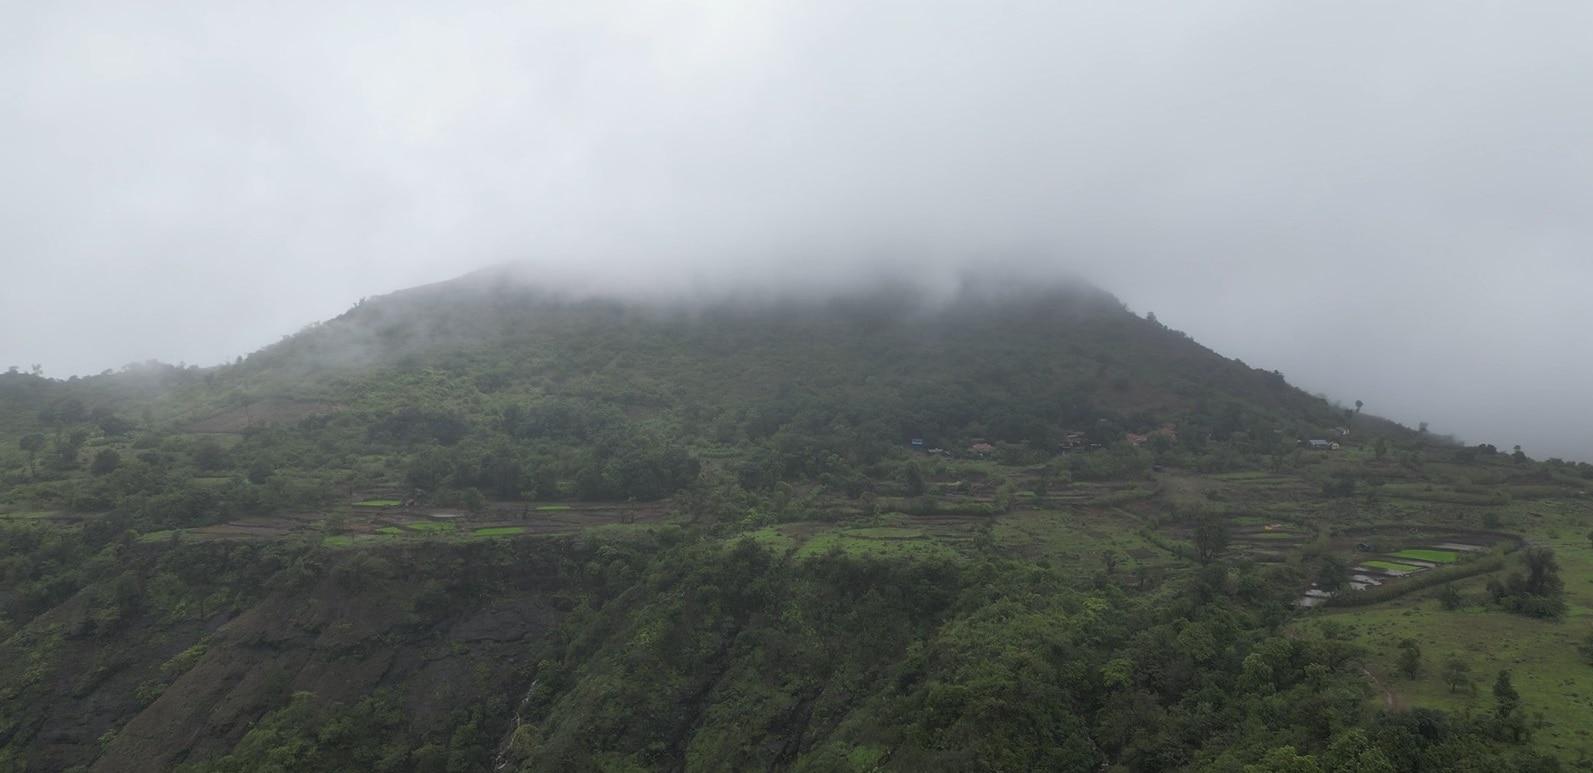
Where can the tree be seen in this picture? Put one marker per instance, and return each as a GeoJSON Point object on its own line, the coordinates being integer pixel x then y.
{"type": "Point", "coordinates": [1380, 447]}
{"type": "Point", "coordinates": [1590, 538]}
{"type": "Point", "coordinates": [1353, 750]}
{"type": "Point", "coordinates": [1543, 571]}
{"type": "Point", "coordinates": [209, 456]}
{"type": "Point", "coordinates": [1358, 405]}
{"type": "Point", "coordinates": [1211, 538]}
{"type": "Point", "coordinates": [1540, 593]}
{"type": "Point", "coordinates": [1284, 759]}
{"type": "Point", "coordinates": [1506, 699]}
{"type": "Point", "coordinates": [1457, 673]}
{"type": "Point", "coordinates": [1109, 557]}
{"type": "Point", "coordinates": [912, 479]}
{"type": "Point", "coordinates": [1450, 599]}
{"type": "Point", "coordinates": [1333, 573]}
{"type": "Point", "coordinates": [1507, 707]}
{"type": "Point", "coordinates": [105, 462]}
{"type": "Point", "coordinates": [1519, 456]}
{"type": "Point", "coordinates": [1543, 588]}
{"type": "Point", "coordinates": [1410, 658]}
{"type": "Point", "coordinates": [32, 444]}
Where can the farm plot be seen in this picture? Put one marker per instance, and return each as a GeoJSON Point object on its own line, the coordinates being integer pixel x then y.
{"type": "Point", "coordinates": [1375, 569]}
{"type": "Point", "coordinates": [1267, 540]}
{"type": "Point", "coordinates": [1431, 556]}
{"type": "Point", "coordinates": [1389, 567]}
{"type": "Point", "coordinates": [500, 531]}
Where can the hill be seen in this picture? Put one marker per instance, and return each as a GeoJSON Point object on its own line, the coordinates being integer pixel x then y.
{"type": "Point", "coordinates": [483, 525]}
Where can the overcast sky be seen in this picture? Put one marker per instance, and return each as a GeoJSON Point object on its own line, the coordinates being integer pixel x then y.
{"type": "Point", "coordinates": [1390, 202]}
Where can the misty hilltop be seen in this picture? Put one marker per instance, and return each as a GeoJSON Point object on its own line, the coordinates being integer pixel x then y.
{"type": "Point", "coordinates": [488, 359]}
{"type": "Point", "coordinates": [913, 361]}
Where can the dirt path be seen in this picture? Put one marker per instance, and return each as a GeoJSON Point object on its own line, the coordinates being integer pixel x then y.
{"type": "Point", "coordinates": [1390, 700]}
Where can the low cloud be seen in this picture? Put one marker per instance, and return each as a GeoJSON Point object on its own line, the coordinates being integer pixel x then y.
{"type": "Point", "coordinates": [1385, 203]}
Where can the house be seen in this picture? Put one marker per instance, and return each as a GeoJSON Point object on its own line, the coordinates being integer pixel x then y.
{"type": "Point", "coordinates": [981, 448]}
{"type": "Point", "coordinates": [1321, 445]}
{"type": "Point", "coordinates": [1135, 438]}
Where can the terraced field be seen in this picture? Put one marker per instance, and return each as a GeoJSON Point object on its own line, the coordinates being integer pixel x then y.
{"type": "Point", "coordinates": [1430, 555]}
{"type": "Point", "coordinates": [1266, 539]}
{"type": "Point", "coordinates": [1373, 569]}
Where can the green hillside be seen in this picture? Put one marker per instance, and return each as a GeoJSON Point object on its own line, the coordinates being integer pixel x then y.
{"type": "Point", "coordinates": [479, 525]}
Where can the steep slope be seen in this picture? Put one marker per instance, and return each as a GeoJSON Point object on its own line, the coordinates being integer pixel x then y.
{"type": "Point", "coordinates": [182, 649]}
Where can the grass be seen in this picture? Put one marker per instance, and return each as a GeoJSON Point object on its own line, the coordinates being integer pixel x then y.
{"type": "Point", "coordinates": [853, 545]}
{"type": "Point", "coordinates": [551, 508]}
{"type": "Point", "coordinates": [1074, 541]}
{"type": "Point", "coordinates": [30, 515]}
{"type": "Point", "coordinates": [808, 539]}
{"type": "Point", "coordinates": [1540, 654]}
{"type": "Point", "coordinates": [379, 503]}
{"type": "Point", "coordinates": [391, 530]}
{"type": "Point", "coordinates": [338, 541]}
{"type": "Point", "coordinates": [1422, 554]}
{"type": "Point", "coordinates": [886, 532]}
{"type": "Point", "coordinates": [773, 538]}
{"type": "Point", "coordinates": [1428, 493]}
{"type": "Point", "coordinates": [499, 531]}
{"type": "Point", "coordinates": [1392, 565]}
{"type": "Point", "coordinates": [430, 526]}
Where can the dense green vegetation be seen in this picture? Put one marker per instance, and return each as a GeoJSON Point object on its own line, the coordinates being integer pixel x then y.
{"type": "Point", "coordinates": [473, 526]}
